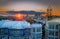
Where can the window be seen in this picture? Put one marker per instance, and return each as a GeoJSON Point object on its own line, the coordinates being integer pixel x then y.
{"type": "Point", "coordinates": [38, 35]}
{"type": "Point", "coordinates": [33, 37]}
{"type": "Point", "coordinates": [51, 26]}
{"type": "Point", "coordinates": [4, 37]}
{"type": "Point", "coordinates": [56, 33]}
{"type": "Point", "coordinates": [0, 37]}
{"type": "Point", "coordinates": [27, 32]}
{"type": "Point", "coordinates": [51, 33]}
{"type": "Point", "coordinates": [38, 29]}
{"type": "Point", "coordinates": [56, 38]}
{"type": "Point", "coordinates": [59, 26]}
{"type": "Point", "coordinates": [39, 38]}
{"type": "Point", "coordinates": [56, 26]}
{"type": "Point", "coordinates": [4, 31]}
{"type": "Point", "coordinates": [59, 35]}
{"type": "Point", "coordinates": [51, 37]}
{"type": "Point", "coordinates": [14, 37]}
{"type": "Point", "coordinates": [26, 37]}
{"type": "Point", "coordinates": [33, 29]}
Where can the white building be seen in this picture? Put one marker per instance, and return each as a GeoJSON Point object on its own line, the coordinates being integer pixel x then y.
{"type": "Point", "coordinates": [54, 29]}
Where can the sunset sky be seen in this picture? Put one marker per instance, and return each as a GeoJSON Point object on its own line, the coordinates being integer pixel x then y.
{"type": "Point", "coordinates": [35, 5]}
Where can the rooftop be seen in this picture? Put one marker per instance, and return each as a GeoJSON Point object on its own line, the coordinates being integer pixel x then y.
{"type": "Point", "coordinates": [55, 20]}
{"type": "Point", "coordinates": [17, 24]}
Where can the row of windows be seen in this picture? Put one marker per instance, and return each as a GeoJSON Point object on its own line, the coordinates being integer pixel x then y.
{"type": "Point", "coordinates": [52, 26]}
{"type": "Point", "coordinates": [52, 33]}
{"type": "Point", "coordinates": [53, 38]}
{"type": "Point", "coordinates": [4, 37]}
{"type": "Point", "coordinates": [37, 29]}
{"type": "Point", "coordinates": [13, 37]}
{"type": "Point", "coordinates": [18, 37]}
{"type": "Point", "coordinates": [37, 36]}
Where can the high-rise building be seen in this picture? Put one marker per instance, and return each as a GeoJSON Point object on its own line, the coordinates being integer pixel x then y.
{"type": "Point", "coordinates": [20, 30]}
{"type": "Point", "coordinates": [53, 29]}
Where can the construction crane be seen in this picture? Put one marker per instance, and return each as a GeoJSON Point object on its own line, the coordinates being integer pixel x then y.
{"type": "Point", "coordinates": [49, 11]}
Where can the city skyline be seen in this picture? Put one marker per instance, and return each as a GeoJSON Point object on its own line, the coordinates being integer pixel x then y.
{"type": "Point", "coordinates": [42, 5]}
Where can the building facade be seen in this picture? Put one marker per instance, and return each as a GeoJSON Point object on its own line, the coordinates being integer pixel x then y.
{"type": "Point", "coordinates": [53, 30]}
{"type": "Point", "coordinates": [20, 31]}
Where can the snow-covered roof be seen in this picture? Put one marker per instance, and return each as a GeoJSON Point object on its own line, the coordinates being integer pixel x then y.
{"type": "Point", "coordinates": [14, 24]}
{"type": "Point", "coordinates": [17, 24]}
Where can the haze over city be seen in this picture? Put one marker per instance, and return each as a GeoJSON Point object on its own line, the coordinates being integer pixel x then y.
{"type": "Point", "coordinates": [40, 5]}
